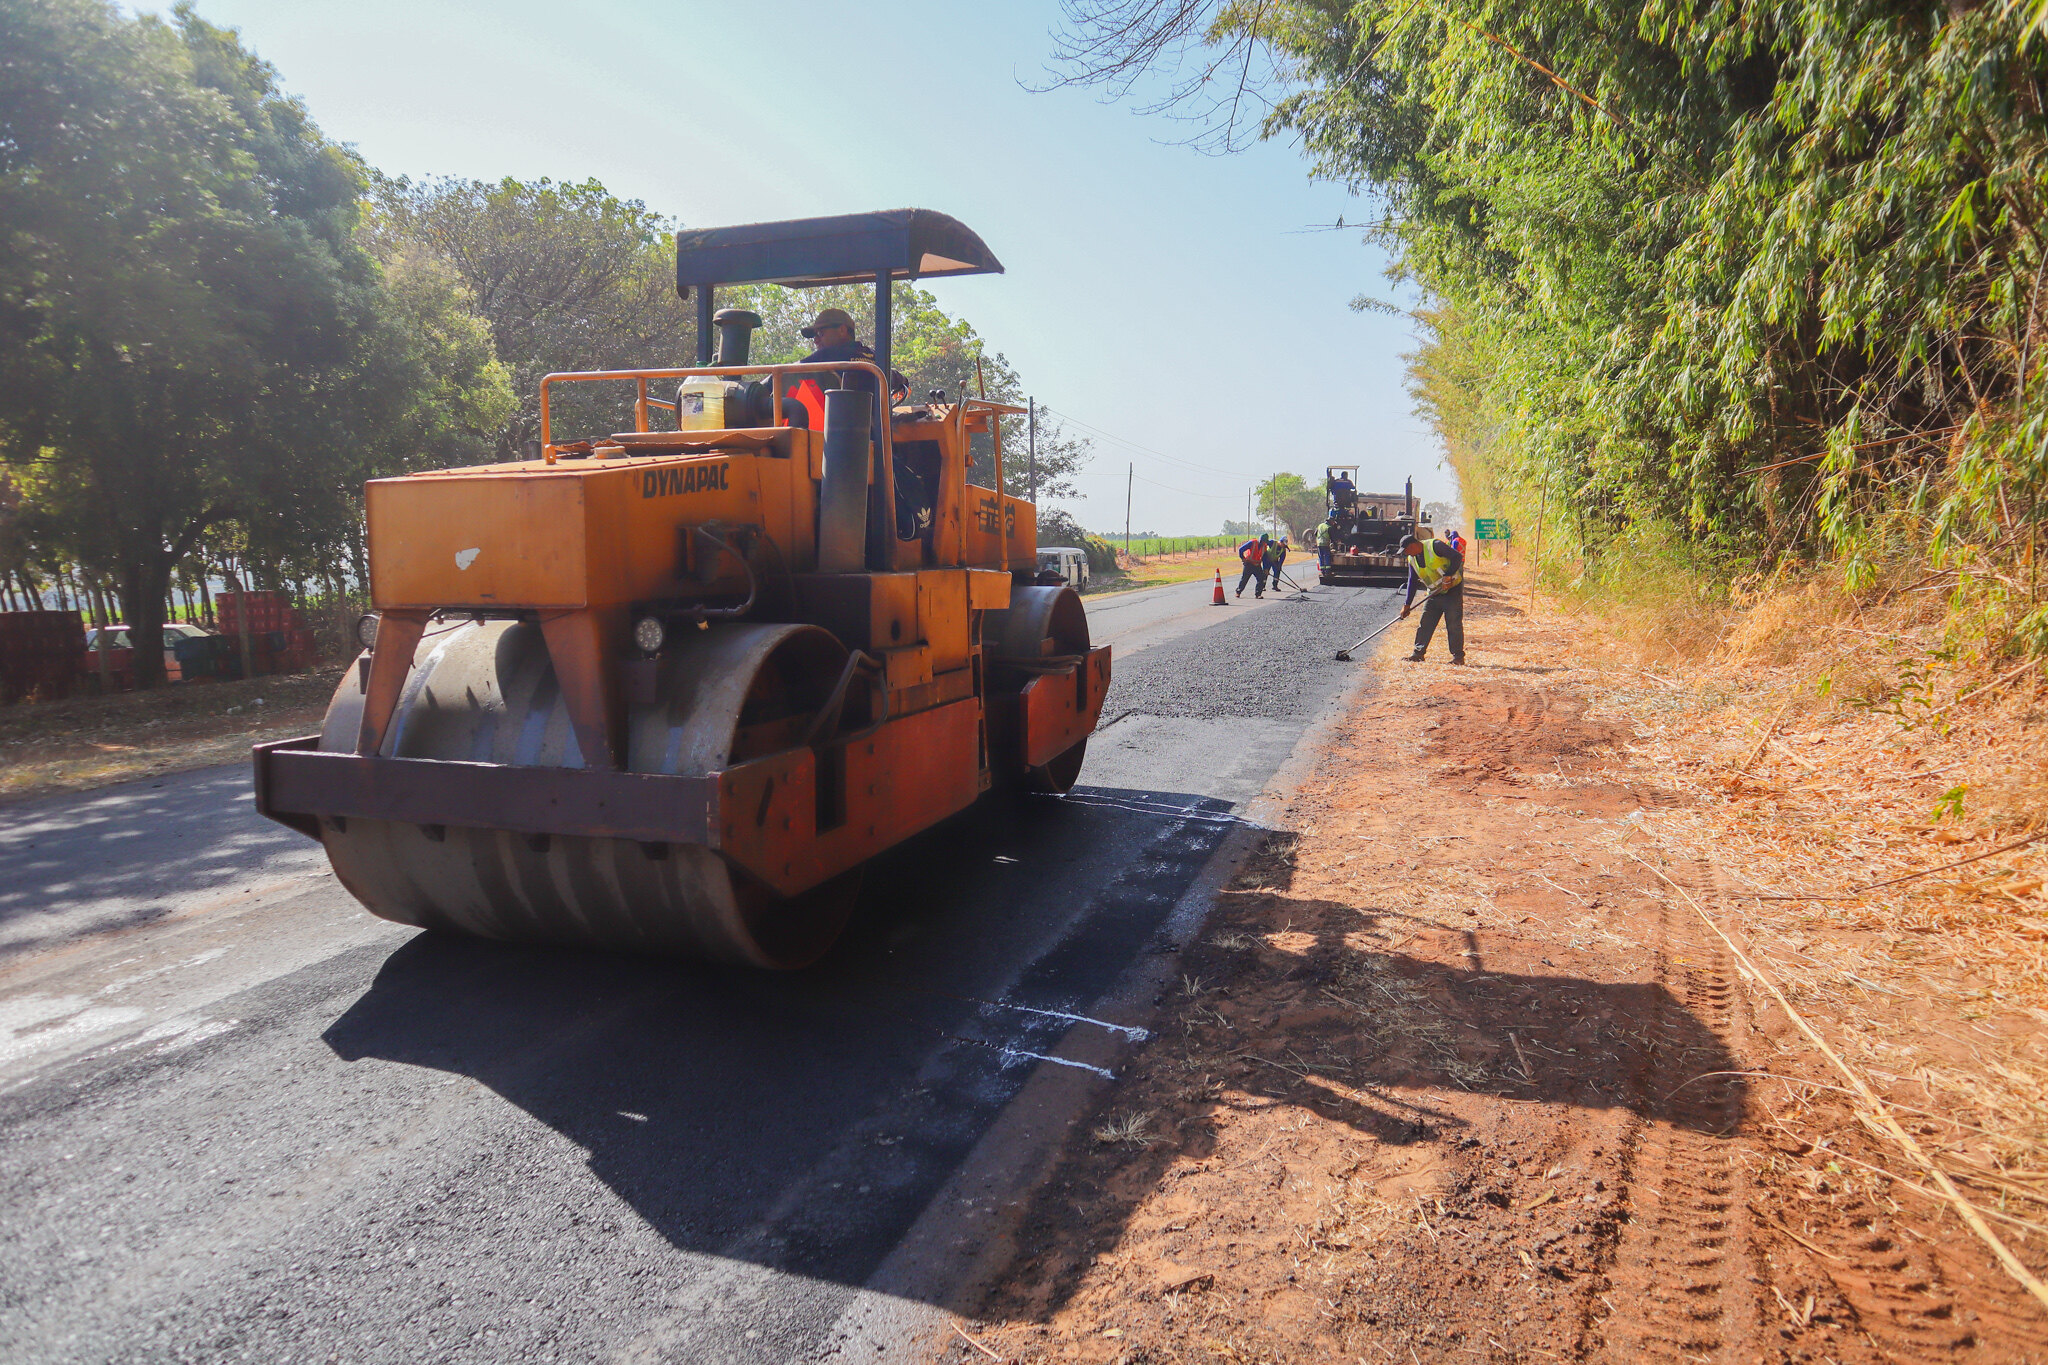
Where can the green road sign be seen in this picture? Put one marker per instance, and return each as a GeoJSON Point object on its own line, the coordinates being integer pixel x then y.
{"type": "Point", "coordinates": [1490, 528]}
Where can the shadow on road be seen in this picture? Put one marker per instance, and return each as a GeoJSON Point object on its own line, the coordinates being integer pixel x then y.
{"type": "Point", "coordinates": [804, 1120]}
{"type": "Point", "coordinates": [74, 864]}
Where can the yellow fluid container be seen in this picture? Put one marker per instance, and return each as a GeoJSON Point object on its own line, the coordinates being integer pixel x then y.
{"type": "Point", "coordinates": [700, 404]}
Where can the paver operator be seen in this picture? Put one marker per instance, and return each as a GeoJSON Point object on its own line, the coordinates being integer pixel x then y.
{"type": "Point", "coordinates": [1252, 554]}
{"type": "Point", "coordinates": [1438, 570]}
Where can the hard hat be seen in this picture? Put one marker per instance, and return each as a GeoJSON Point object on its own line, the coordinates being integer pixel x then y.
{"type": "Point", "coordinates": [831, 317]}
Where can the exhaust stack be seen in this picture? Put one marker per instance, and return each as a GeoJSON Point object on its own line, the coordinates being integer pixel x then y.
{"type": "Point", "coordinates": [735, 335]}
{"type": "Point", "coordinates": [843, 499]}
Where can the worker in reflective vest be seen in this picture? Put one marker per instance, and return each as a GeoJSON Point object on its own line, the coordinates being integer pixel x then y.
{"type": "Point", "coordinates": [1324, 531]}
{"type": "Point", "coordinates": [1438, 570]}
{"type": "Point", "coordinates": [1252, 554]}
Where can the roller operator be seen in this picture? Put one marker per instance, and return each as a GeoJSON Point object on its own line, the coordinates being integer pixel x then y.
{"type": "Point", "coordinates": [834, 339]}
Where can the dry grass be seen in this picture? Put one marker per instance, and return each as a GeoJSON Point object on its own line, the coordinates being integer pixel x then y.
{"type": "Point", "coordinates": [1129, 1130]}
{"type": "Point", "coordinates": [87, 742]}
{"type": "Point", "coordinates": [1821, 744]}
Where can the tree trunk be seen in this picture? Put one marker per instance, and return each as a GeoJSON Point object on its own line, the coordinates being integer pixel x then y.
{"type": "Point", "coordinates": [241, 588]}
{"type": "Point", "coordinates": [358, 558]}
{"type": "Point", "coordinates": [104, 639]}
{"type": "Point", "coordinates": [206, 598]}
{"type": "Point", "coordinates": [145, 586]}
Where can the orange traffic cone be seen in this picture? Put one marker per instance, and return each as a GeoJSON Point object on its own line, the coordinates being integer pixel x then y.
{"type": "Point", "coordinates": [1218, 599]}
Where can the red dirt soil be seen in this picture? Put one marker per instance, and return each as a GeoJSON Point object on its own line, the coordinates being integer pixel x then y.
{"type": "Point", "coordinates": [1454, 1075]}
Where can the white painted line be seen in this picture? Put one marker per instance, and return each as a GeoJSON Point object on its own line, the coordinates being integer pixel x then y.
{"type": "Point", "coordinates": [1128, 1030]}
{"type": "Point", "coordinates": [1103, 1072]}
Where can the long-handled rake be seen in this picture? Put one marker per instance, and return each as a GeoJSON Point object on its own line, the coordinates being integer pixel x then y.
{"type": "Point", "coordinates": [1344, 655]}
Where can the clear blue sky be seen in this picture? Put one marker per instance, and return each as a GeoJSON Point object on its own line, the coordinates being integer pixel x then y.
{"type": "Point", "coordinates": [1166, 297]}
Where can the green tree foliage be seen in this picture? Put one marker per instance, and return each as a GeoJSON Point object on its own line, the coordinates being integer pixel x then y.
{"type": "Point", "coordinates": [1298, 503]}
{"type": "Point", "coordinates": [189, 332]}
{"type": "Point", "coordinates": [1766, 276]}
{"type": "Point", "coordinates": [566, 276]}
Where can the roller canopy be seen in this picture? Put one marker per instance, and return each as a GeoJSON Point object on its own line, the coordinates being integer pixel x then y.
{"type": "Point", "coordinates": [850, 249]}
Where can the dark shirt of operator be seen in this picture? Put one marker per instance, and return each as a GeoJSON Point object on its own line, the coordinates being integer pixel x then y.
{"type": "Point", "coordinates": [856, 379]}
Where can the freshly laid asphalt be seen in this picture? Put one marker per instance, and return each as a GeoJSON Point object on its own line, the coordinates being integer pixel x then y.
{"type": "Point", "coordinates": [240, 1118]}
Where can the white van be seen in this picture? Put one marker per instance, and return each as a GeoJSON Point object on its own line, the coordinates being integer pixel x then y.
{"type": "Point", "coordinates": [1067, 562]}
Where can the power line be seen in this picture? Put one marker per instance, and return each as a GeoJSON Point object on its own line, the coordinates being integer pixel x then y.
{"type": "Point", "coordinates": [1171, 488]}
{"type": "Point", "coordinates": [1115, 439]}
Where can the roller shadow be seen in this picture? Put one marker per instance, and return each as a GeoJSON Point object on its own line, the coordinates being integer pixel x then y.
{"type": "Point", "coordinates": [803, 1121]}
{"type": "Point", "coordinates": [1312, 1016]}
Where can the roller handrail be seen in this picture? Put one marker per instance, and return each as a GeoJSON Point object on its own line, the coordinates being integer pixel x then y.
{"type": "Point", "coordinates": [776, 374]}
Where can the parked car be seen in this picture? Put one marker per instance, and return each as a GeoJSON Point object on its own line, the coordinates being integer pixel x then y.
{"type": "Point", "coordinates": [117, 640]}
{"type": "Point", "coordinates": [1069, 563]}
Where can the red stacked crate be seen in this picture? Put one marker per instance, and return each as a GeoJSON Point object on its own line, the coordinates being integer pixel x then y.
{"type": "Point", "coordinates": [279, 640]}
{"type": "Point", "coordinates": [38, 654]}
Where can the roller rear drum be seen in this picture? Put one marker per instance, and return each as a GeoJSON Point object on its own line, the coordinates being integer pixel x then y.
{"type": "Point", "coordinates": [1044, 630]}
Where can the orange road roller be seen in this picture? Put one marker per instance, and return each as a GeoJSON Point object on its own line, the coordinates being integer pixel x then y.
{"type": "Point", "coordinates": [668, 689]}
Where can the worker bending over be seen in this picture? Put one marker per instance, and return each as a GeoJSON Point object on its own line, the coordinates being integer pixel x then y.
{"type": "Point", "coordinates": [1252, 554]}
{"type": "Point", "coordinates": [1437, 569]}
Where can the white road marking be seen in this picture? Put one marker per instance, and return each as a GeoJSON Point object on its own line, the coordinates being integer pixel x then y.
{"type": "Point", "coordinates": [36, 1023]}
{"type": "Point", "coordinates": [1103, 1072]}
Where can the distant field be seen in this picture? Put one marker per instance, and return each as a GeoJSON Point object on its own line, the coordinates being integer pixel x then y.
{"type": "Point", "coordinates": [1142, 546]}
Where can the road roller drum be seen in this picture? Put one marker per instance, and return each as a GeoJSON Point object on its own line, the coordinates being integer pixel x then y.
{"type": "Point", "coordinates": [486, 693]}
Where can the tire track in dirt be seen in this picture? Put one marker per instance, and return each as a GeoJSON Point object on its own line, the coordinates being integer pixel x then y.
{"type": "Point", "coordinates": [1854, 1273]}
{"type": "Point", "coordinates": [1682, 1283]}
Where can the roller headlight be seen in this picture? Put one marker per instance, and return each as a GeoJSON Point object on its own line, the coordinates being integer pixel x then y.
{"type": "Point", "coordinates": [366, 630]}
{"type": "Point", "coordinates": [649, 634]}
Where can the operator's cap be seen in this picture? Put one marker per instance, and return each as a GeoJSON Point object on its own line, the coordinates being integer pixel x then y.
{"type": "Point", "coordinates": [831, 317]}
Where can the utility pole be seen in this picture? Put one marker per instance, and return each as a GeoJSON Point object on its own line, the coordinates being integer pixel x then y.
{"type": "Point", "coordinates": [1130, 472]}
{"type": "Point", "coordinates": [1249, 526]}
{"type": "Point", "coordinates": [1031, 404]}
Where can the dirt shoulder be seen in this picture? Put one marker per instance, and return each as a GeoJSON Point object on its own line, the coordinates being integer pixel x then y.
{"type": "Point", "coordinates": [88, 742]}
{"type": "Point", "coordinates": [1456, 1072]}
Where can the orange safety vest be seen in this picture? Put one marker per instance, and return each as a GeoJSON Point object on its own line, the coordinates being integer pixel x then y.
{"type": "Point", "coordinates": [813, 398]}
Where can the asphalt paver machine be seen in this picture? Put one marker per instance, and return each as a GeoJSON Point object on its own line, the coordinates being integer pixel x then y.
{"type": "Point", "coordinates": [668, 689]}
{"type": "Point", "coordinates": [1367, 531]}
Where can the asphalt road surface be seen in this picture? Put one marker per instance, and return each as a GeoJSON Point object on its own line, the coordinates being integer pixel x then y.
{"type": "Point", "coordinates": [242, 1119]}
